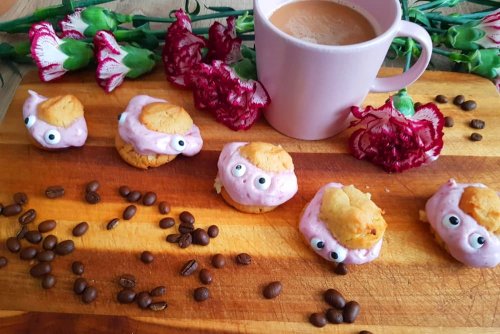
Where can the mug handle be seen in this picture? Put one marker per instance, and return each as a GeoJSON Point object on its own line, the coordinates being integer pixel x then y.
{"type": "Point", "coordinates": [407, 29]}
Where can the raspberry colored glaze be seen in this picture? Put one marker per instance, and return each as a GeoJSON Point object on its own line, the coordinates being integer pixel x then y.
{"type": "Point", "coordinates": [146, 141]}
{"type": "Point", "coordinates": [243, 190]}
{"type": "Point", "coordinates": [312, 227]}
{"type": "Point", "coordinates": [445, 202]}
{"type": "Point", "coordinates": [74, 135]}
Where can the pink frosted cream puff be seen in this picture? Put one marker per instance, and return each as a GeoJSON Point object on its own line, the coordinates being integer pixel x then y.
{"type": "Point", "coordinates": [343, 224]}
{"type": "Point", "coordinates": [466, 221]}
{"type": "Point", "coordinates": [55, 123]}
{"type": "Point", "coordinates": [152, 132]}
{"type": "Point", "coordinates": [255, 177]}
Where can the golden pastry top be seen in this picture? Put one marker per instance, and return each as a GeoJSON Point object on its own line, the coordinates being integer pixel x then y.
{"type": "Point", "coordinates": [60, 110]}
{"type": "Point", "coordinates": [268, 157]}
{"type": "Point", "coordinates": [166, 118]}
{"type": "Point", "coordinates": [482, 204]}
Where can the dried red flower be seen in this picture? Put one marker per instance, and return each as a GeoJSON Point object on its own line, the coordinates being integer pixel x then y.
{"type": "Point", "coordinates": [223, 44]}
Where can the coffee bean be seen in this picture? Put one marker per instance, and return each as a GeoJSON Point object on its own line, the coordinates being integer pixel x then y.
{"type": "Point", "coordinates": [126, 296]}
{"type": "Point", "coordinates": [441, 99]}
{"type": "Point", "coordinates": [12, 210]}
{"type": "Point", "coordinates": [458, 100]}
{"type": "Point", "coordinates": [243, 259]}
{"type": "Point", "coordinates": [186, 217]}
{"type": "Point", "coordinates": [48, 281]}
{"type": "Point", "coordinates": [477, 124]}
{"type": "Point", "coordinates": [167, 222]}
{"type": "Point", "coordinates": [468, 105]}
{"type": "Point", "coordinates": [92, 197]}
{"type": "Point", "coordinates": [334, 298]}
{"type": "Point", "coordinates": [201, 294]}
{"type": "Point", "coordinates": [13, 245]}
{"type": "Point", "coordinates": [334, 316]}
{"type": "Point", "coordinates": [89, 294]}
{"type": "Point", "coordinates": [173, 238]}
{"type": "Point", "coordinates": [80, 229]}
{"type": "Point", "coordinates": [47, 226]}
{"type": "Point", "coordinates": [200, 237]}
{"type": "Point", "coordinates": [189, 268]}
{"type": "Point", "coordinates": [186, 228]}
{"type": "Point", "coordinates": [476, 137]}
{"type": "Point", "coordinates": [46, 256]}
{"type": "Point", "coordinates": [205, 276]}
{"type": "Point", "coordinates": [20, 198]}
{"type": "Point", "coordinates": [40, 269]}
{"type": "Point", "coordinates": [185, 240]}
{"type": "Point", "coordinates": [272, 290]}
{"type": "Point", "coordinates": [164, 208]}
{"type": "Point", "coordinates": [158, 291]}
{"type": "Point", "coordinates": [49, 242]}
{"type": "Point", "coordinates": [365, 332]}
{"type": "Point", "coordinates": [318, 319]}
{"type": "Point", "coordinates": [28, 253]}
{"type": "Point", "coordinates": [27, 217]}
{"type": "Point", "coordinates": [134, 196]}
{"type": "Point", "coordinates": [77, 268]}
{"type": "Point", "coordinates": [1, 208]}
{"type": "Point", "coordinates": [417, 105]}
{"type": "Point", "coordinates": [213, 231]}
{"type": "Point", "coordinates": [143, 299]}
{"type": "Point", "coordinates": [147, 257]}
{"type": "Point", "coordinates": [80, 285]}
{"type": "Point", "coordinates": [127, 281]}
{"type": "Point", "coordinates": [53, 192]}
{"type": "Point", "coordinates": [33, 236]}
{"type": "Point", "coordinates": [351, 311]}
{"type": "Point", "coordinates": [3, 261]}
{"type": "Point", "coordinates": [124, 191]}
{"type": "Point", "coordinates": [113, 223]}
{"type": "Point", "coordinates": [22, 232]}
{"type": "Point", "coordinates": [92, 186]}
{"type": "Point", "coordinates": [149, 198]}
{"type": "Point", "coordinates": [340, 269]}
{"type": "Point", "coordinates": [218, 261]}
{"type": "Point", "coordinates": [158, 306]}
{"type": "Point", "coordinates": [449, 122]}
{"type": "Point", "coordinates": [129, 212]}
{"type": "Point", "coordinates": [65, 247]}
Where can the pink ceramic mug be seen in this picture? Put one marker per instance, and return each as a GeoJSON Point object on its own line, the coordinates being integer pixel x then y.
{"type": "Point", "coordinates": [313, 86]}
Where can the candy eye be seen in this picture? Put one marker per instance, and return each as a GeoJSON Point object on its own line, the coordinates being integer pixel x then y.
{"type": "Point", "coordinates": [178, 143]}
{"type": "Point", "coordinates": [122, 117]}
{"type": "Point", "coordinates": [52, 137]}
{"type": "Point", "coordinates": [317, 244]}
{"type": "Point", "coordinates": [30, 121]}
{"type": "Point", "coordinates": [451, 221]}
{"type": "Point", "coordinates": [239, 170]}
{"type": "Point", "coordinates": [262, 182]}
{"type": "Point", "coordinates": [476, 240]}
{"type": "Point", "coordinates": [338, 255]}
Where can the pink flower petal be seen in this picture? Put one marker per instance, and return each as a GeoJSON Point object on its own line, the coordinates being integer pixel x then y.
{"type": "Point", "coordinates": [223, 44]}
{"type": "Point", "coordinates": [112, 82]}
{"type": "Point", "coordinates": [73, 26]}
{"type": "Point", "coordinates": [51, 72]}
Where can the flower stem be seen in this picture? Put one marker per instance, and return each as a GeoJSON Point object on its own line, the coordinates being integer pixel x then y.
{"type": "Point", "coordinates": [409, 44]}
{"type": "Point", "coordinates": [194, 18]}
{"type": "Point", "coordinates": [486, 2]}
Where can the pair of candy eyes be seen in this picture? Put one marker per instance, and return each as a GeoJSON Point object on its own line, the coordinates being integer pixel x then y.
{"type": "Point", "coordinates": [51, 137]}
{"type": "Point", "coordinates": [262, 182]}
{"type": "Point", "coordinates": [338, 255]}
{"type": "Point", "coordinates": [476, 240]}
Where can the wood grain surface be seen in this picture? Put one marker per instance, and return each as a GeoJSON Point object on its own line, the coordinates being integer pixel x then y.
{"type": "Point", "coordinates": [414, 287]}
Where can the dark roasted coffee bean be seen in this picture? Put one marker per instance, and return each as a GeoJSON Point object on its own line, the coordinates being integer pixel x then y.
{"type": "Point", "coordinates": [48, 281]}
{"type": "Point", "coordinates": [186, 217]}
{"type": "Point", "coordinates": [46, 256]}
{"type": "Point", "coordinates": [243, 259]}
{"type": "Point", "coordinates": [158, 291]}
{"type": "Point", "coordinates": [185, 240]}
{"type": "Point", "coordinates": [164, 208]}
{"type": "Point", "coordinates": [417, 105]}
{"type": "Point", "coordinates": [134, 196]}
{"type": "Point", "coordinates": [441, 99]}
{"type": "Point", "coordinates": [28, 253]}
{"type": "Point", "coordinates": [158, 306]}
{"type": "Point", "coordinates": [218, 261]}
{"type": "Point", "coordinates": [92, 197]}
{"type": "Point", "coordinates": [3, 261]}
{"type": "Point", "coordinates": [89, 294]}
{"type": "Point", "coordinates": [65, 247]}
{"type": "Point", "coordinates": [213, 231]}
{"type": "Point", "coordinates": [127, 281]}
{"type": "Point", "coordinates": [92, 186]}
{"type": "Point", "coordinates": [334, 298]}
{"type": "Point", "coordinates": [189, 268]}
{"type": "Point", "coordinates": [365, 332]}
{"type": "Point", "coordinates": [147, 257]}
{"type": "Point", "coordinates": [468, 105]}
{"type": "Point", "coordinates": [49, 242]}
{"type": "Point", "coordinates": [449, 122]}
{"type": "Point", "coordinates": [126, 296]}
{"type": "Point", "coordinates": [12, 210]}
{"type": "Point", "coordinates": [477, 124]}
{"type": "Point", "coordinates": [340, 269]}
{"type": "Point", "coordinates": [201, 294]}
{"type": "Point", "coordinates": [13, 245]}
{"type": "Point", "coordinates": [47, 226]}
{"type": "Point", "coordinates": [186, 228]}
{"type": "Point", "coordinates": [1, 208]}
{"type": "Point", "coordinates": [173, 238]}
{"type": "Point", "coordinates": [272, 290]}
{"type": "Point", "coordinates": [129, 212]}
{"type": "Point", "coordinates": [79, 285]}
{"type": "Point", "coordinates": [113, 223]}
{"type": "Point", "coordinates": [27, 217]}
{"type": "Point", "coordinates": [22, 232]}
{"type": "Point", "coordinates": [351, 311]}
{"type": "Point", "coordinates": [80, 229]}
{"type": "Point", "coordinates": [149, 198]}
{"type": "Point", "coordinates": [143, 299]}
{"type": "Point", "coordinates": [458, 100]}
{"type": "Point", "coordinates": [20, 198]}
{"type": "Point", "coordinates": [40, 269]}
{"type": "Point", "coordinates": [77, 268]}
{"type": "Point", "coordinates": [334, 316]}
{"type": "Point", "coordinates": [54, 192]}
{"type": "Point", "coordinates": [33, 236]}
{"type": "Point", "coordinates": [167, 222]}
{"type": "Point", "coordinates": [205, 276]}
{"type": "Point", "coordinates": [124, 191]}
{"type": "Point", "coordinates": [318, 319]}
{"type": "Point", "coordinates": [200, 237]}
{"type": "Point", "coordinates": [476, 137]}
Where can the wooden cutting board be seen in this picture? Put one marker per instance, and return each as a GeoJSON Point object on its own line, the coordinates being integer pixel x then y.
{"type": "Point", "coordinates": [414, 287]}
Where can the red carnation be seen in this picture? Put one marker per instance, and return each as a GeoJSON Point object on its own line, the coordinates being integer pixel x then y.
{"type": "Point", "coordinates": [223, 44]}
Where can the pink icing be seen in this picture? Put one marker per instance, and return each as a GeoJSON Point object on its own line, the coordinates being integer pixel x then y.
{"type": "Point", "coordinates": [243, 189]}
{"type": "Point", "coordinates": [74, 135]}
{"type": "Point", "coordinates": [146, 141]}
{"type": "Point", "coordinates": [315, 229]}
{"type": "Point", "coordinates": [458, 239]}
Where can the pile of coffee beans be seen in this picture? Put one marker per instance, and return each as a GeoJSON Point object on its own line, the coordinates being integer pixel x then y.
{"type": "Point", "coordinates": [340, 311]}
{"type": "Point", "coordinates": [143, 299]}
{"type": "Point", "coordinates": [188, 234]}
{"type": "Point", "coordinates": [91, 194]}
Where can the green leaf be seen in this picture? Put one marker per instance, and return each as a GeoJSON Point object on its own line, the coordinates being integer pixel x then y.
{"type": "Point", "coordinates": [197, 9]}
{"type": "Point", "coordinates": [220, 9]}
{"type": "Point", "coordinates": [419, 16]}
{"type": "Point", "coordinates": [246, 69]}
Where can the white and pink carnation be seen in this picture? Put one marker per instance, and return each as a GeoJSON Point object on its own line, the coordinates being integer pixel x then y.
{"type": "Point", "coordinates": [110, 71]}
{"type": "Point", "coordinates": [73, 25]}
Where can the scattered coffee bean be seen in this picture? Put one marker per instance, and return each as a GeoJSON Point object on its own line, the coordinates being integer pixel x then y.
{"type": "Point", "coordinates": [149, 198]}
{"type": "Point", "coordinates": [449, 122]}
{"type": "Point", "coordinates": [205, 276]}
{"type": "Point", "coordinates": [126, 296]}
{"type": "Point", "coordinates": [129, 212]}
{"type": "Point", "coordinates": [334, 316]}
{"type": "Point", "coordinates": [340, 269]}
{"type": "Point", "coordinates": [77, 268]}
{"type": "Point", "coordinates": [40, 269]}
{"type": "Point", "coordinates": [200, 237]}
{"type": "Point", "coordinates": [318, 319]}
{"type": "Point", "coordinates": [272, 290]}
{"type": "Point", "coordinates": [458, 100]}
{"type": "Point", "coordinates": [80, 285]}
{"type": "Point", "coordinates": [65, 247]}
{"type": "Point", "coordinates": [124, 191]}
{"type": "Point", "coordinates": [22, 232]}
{"type": "Point", "coordinates": [476, 137]}
{"type": "Point", "coordinates": [351, 311]}
{"type": "Point", "coordinates": [158, 291]}
{"type": "Point", "coordinates": [417, 105]}
{"type": "Point", "coordinates": [173, 238]}
{"type": "Point", "coordinates": [80, 229]}
{"type": "Point", "coordinates": [185, 240]}
{"type": "Point", "coordinates": [213, 231]}
{"type": "Point", "coordinates": [201, 294]}
{"type": "Point", "coordinates": [334, 298]}
{"type": "Point", "coordinates": [1, 208]}
{"type": "Point", "coordinates": [243, 259]}
{"type": "Point", "coordinates": [13, 245]}
{"type": "Point", "coordinates": [441, 99]}
{"type": "Point", "coordinates": [20, 198]}
{"type": "Point", "coordinates": [158, 306]}
{"type": "Point", "coordinates": [49, 242]}
{"type": "Point", "coordinates": [92, 197]}
{"type": "Point", "coordinates": [164, 208]}
{"type": "Point", "coordinates": [46, 256]}
{"type": "Point", "coordinates": [186, 228]}
{"type": "Point", "coordinates": [468, 105]}
{"type": "Point", "coordinates": [89, 294]}
{"type": "Point", "coordinates": [143, 299]}
{"type": "Point", "coordinates": [113, 223]}
{"type": "Point", "coordinates": [186, 217]}
{"type": "Point", "coordinates": [53, 192]}
{"type": "Point", "coordinates": [33, 236]}
{"type": "Point", "coordinates": [147, 257]}
{"type": "Point", "coordinates": [12, 210]}
{"type": "Point", "coordinates": [134, 196]}
{"type": "Point", "coordinates": [3, 261]}
{"type": "Point", "coordinates": [218, 261]}
{"type": "Point", "coordinates": [47, 226]}
{"type": "Point", "coordinates": [92, 186]}
{"type": "Point", "coordinates": [189, 268]}
{"type": "Point", "coordinates": [127, 281]}
{"type": "Point", "coordinates": [167, 222]}
{"type": "Point", "coordinates": [48, 281]}
{"type": "Point", "coordinates": [365, 332]}
{"type": "Point", "coordinates": [28, 253]}
{"type": "Point", "coordinates": [27, 217]}
{"type": "Point", "coordinates": [477, 124]}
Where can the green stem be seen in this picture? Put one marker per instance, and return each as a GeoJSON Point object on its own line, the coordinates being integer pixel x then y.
{"type": "Point", "coordinates": [86, 3]}
{"type": "Point", "coordinates": [429, 5]}
{"type": "Point", "coordinates": [446, 19]}
{"type": "Point", "coordinates": [408, 44]}
{"type": "Point", "coordinates": [441, 52]}
{"type": "Point", "coordinates": [486, 2]}
{"type": "Point", "coordinates": [221, 14]}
